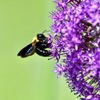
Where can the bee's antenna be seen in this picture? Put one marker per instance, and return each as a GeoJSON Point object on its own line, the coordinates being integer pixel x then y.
{"type": "Point", "coordinates": [45, 31]}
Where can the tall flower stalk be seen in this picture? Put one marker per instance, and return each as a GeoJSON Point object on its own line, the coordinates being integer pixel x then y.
{"type": "Point", "coordinates": [76, 45]}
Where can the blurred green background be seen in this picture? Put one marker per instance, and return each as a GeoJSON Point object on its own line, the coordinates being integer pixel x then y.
{"type": "Point", "coordinates": [31, 78]}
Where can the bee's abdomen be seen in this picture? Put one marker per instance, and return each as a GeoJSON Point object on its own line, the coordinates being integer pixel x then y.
{"type": "Point", "coordinates": [42, 45]}
{"type": "Point", "coordinates": [42, 52]}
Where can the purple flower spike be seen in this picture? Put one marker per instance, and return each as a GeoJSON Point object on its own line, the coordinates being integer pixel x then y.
{"type": "Point", "coordinates": [75, 45]}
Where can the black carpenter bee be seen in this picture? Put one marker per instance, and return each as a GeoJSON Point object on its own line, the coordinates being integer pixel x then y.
{"type": "Point", "coordinates": [38, 45]}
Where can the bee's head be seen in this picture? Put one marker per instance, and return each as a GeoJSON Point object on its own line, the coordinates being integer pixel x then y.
{"type": "Point", "coordinates": [40, 36]}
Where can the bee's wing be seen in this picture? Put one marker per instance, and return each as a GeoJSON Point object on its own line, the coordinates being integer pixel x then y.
{"type": "Point", "coordinates": [27, 51]}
